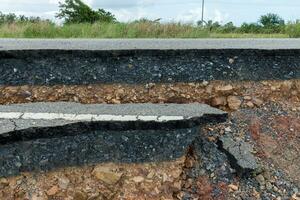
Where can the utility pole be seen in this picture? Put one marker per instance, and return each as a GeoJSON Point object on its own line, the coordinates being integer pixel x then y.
{"type": "Point", "coordinates": [202, 19]}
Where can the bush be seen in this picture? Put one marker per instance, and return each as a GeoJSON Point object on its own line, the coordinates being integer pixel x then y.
{"type": "Point", "coordinates": [293, 30]}
{"type": "Point", "coordinates": [250, 28]}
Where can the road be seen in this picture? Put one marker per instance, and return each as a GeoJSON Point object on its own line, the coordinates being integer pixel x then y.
{"type": "Point", "coordinates": [147, 44]}
{"type": "Point", "coordinates": [24, 116]}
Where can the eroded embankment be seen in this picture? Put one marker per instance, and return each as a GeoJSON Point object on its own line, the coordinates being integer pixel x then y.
{"type": "Point", "coordinates": [264, 114]}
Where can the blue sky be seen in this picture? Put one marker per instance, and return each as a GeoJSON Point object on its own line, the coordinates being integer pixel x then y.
{"type": "Point", "coordinates": [223, 11]}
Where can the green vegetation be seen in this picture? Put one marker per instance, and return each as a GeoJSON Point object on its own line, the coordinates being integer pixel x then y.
{"type": "Point", "coordinates": [80, 21]}
{"type": "Point", "coordinates": [75, 11]}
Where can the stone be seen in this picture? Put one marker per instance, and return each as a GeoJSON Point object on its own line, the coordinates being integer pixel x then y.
{"type": "Point", "coordinates": [286, 86]}
{"type": "Point", "coordinates": [226, 88]}
{"type": "Point", "coordinates": [234, 102]}
{"type": "Point", "coordinates": [248, 98]}
{"type": "Point", "coordinates": [233, 187]}
{"type": "Point", "coordinates": [52, 191]}
{"type": "Point", "coordinates": [260, 179]}
{"type": "Point", "coordinates": [138, 179]}
{"type": "Point", "coordinates": [231, 61]}
{"type": "Point", "coordinates": [219, 101]}
{"type": "Point", "coordinates": [3, 183]}
{"type": "Point", "coordinates": [257, 102]}
{"type": "Point", "coordinates": [250, 104]}
{"type": "Point", "coordinates": [239, 154]}
{"type": "Point", "coordinates": [63, 183]}
{"type": "Point", "coordinates": [296, 196]}
{"type": "Point", "coordinates": [107, 175]}
{"type": "Point", "coordinates": [228, 130]}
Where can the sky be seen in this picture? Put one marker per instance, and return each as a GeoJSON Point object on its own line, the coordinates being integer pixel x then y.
{"type": "Point", "coordinates": [189, 11]}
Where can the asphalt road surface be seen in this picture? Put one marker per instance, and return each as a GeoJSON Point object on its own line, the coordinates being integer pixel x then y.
{"type": "Point", "coordinates": [131, 44]}
{"type": "Point", "coordinates": [24, 116]}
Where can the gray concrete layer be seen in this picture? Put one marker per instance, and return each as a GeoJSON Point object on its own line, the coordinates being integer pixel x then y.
{"type": "Point", "coordinates": [149, 44]}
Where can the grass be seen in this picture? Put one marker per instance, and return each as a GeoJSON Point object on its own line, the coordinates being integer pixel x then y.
{"type": "Point", "coordinates": [125, 30]}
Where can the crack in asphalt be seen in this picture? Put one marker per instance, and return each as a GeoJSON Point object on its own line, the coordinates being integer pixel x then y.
{"type": "Point", "coordinates": [14, 124]}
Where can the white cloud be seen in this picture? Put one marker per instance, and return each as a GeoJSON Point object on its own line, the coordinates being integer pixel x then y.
{"type": "Point", "coordinates": [194, 15]}
{"type": "Point", "coordinates": [127, 15]}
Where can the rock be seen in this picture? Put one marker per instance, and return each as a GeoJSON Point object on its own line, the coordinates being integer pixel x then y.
{"type": "Point", "coordinates": [228, 130]}
{"type": "Point", "coordinates": [115, 101]}
{"type": "Point", "coordinates": [107, 175]}
{"type": "Point", "coordinates": [296, 196]}
{"type": "Point", "coordinates": [226, 88]}
{"type": "Point", "coordinates": [219, 101]}
{"type": "Point", "coordinates": [239, 154]}
{"type": "Point", "coordinates": [257, 102]}
{"type": "Point", "coordinates": [3, 183]}
{"type": "Point", "coordinates": [250, 104]}
{"type": "Point", "coordinates": [260, 179]}
{"type": "Point", "coordinates": [63, 183]}
{"type": "Point", "coordinates": [286, 86]}
{"type": "Point", "coordinates": [248, 98]}
{"type": "Point", "coordinates": [234, 102]}
{"type": "Point", "coordinates": [138, 179]}
{"type": "Point", "coordinates": [11, 89]}
{"type": "Point", "coordinates": [231, 61]}
{"type": "Point", "coordinates": [52, 191]}
{"type": "Point", "coordinates": [80, 196]}
{"type": "Point", "coordinates": [205, 83]}
{"type": "Point", "coordinates": [233, 187]}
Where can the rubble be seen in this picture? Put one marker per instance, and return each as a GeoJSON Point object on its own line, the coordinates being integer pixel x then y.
{"type": "Point", "coordinates": [239, 154]}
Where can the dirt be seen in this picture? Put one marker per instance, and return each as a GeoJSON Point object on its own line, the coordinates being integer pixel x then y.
{"type": "Point", "coordinates": [216, 93]}
{"type": "Point", "coordinates": [264, 114]}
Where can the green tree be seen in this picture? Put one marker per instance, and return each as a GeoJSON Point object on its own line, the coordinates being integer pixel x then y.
{"type": "Point", "coordinates": [75, 11]}
{"type": "Point", "coordinates": [271, 20]}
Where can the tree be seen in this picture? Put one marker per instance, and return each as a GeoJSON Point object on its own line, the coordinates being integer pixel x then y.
{"type": "Point", "coordinates": [75, 11]}
{"type": "Point", "coordinates": [271, 20]}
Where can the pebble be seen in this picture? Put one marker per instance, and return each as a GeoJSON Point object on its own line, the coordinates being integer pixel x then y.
{"type": "Point", "coordinates": [257, 102]}
{"type": "Point", "coordinates": [234, 102]}
{"type": "Point", "coordinates": [107, 175]}
{"type": "Point", "coordinates": [296, 196]}
{"type": "Point", "coordinates": [138, 179]}
{"type": "Point", "coordinates": [233, 187]}
{"type": "Point", "coordinates": [260, 179]}
{"type": "Point", "coordinates": [63, 183]}
{"type": "Point", "coordinates": [52, 191]}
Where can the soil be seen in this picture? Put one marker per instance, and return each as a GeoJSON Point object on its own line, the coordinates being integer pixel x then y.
{"type": "Point", "coordinates": [265, 115]}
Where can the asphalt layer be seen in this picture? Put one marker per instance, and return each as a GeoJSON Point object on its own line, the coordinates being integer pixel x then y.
{"type": "Point", "coordinates": [30, 145]}
{"type": "Point", "coordinates": [131, 146]}
{"type": "Point", "coordinates": [132, 44]}
{"type": "Point", "coordinates": [55, 67]}
{"type": "Point", "coordinates": [111, 117]}
{"type": "Point", "coordinates": [185, 110]}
